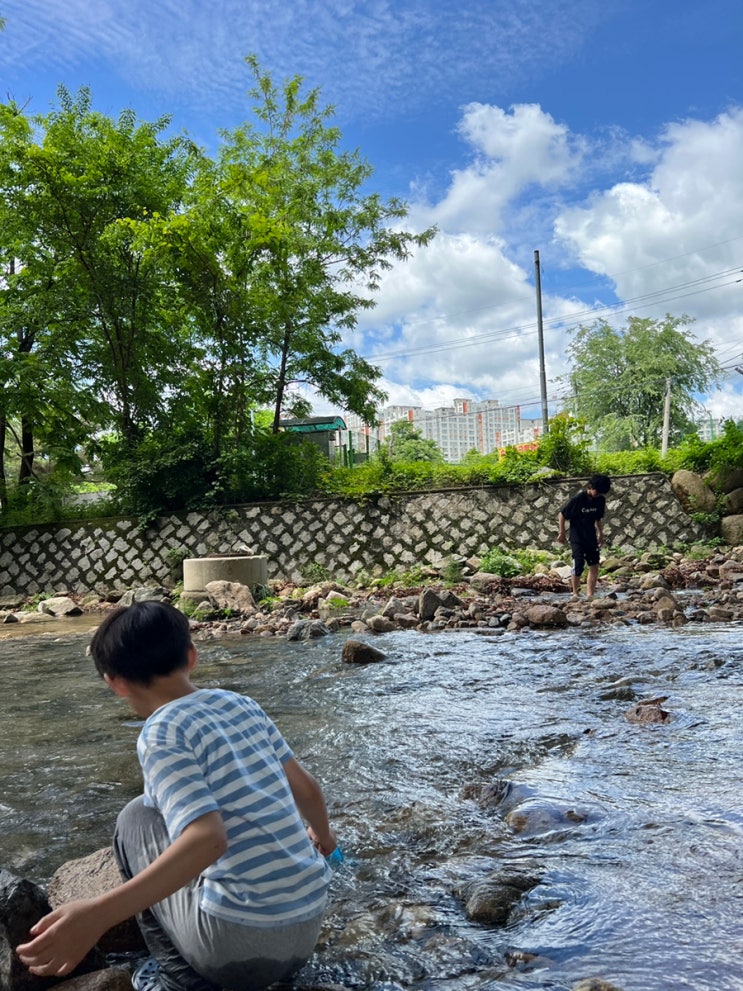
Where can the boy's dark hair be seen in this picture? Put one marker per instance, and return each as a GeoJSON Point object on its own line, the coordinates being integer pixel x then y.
{"type": "Point", "coordinates": [600, 483]}
{"type": "Point", "coordinates": [141, 642]}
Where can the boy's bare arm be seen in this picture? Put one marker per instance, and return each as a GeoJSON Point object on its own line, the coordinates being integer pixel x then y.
{"type": "Point", "coordinates": [62, 938]}
{"type": "Point", "coordinates": [309, 800]}
{"type": "Point", "coordinates": [561, 528]}
{"type": "Point", "coordinates": [599, 532]}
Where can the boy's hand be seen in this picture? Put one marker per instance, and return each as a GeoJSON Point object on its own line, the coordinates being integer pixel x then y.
{"type": "Point", "coordinates": [62, 939]}
{"type": "Point", "coordinates": [561, 537]}
{"type": "Point", "coordinates": [326, 845]}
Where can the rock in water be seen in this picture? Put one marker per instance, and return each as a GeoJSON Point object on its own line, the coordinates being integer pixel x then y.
{"type": "Point", "coordinates": [357, 652]}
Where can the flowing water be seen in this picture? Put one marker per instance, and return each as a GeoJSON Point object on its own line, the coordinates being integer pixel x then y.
{"type": "Point", "coordinates": [634, 831]}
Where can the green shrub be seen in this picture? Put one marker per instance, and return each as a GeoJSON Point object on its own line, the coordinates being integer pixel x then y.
{"type": "Point", "coordinates": [565, 447]}
{"type": "Point", "coordinates": [272, 466]}
{"type": "Point", "coordinates": [642, 461]}
{"type": "Point", "coordinates": [727, 451]}
{"type": "Point", "coordinates": [412, 578]}
{"type": "Point", "coordinates": [498, 562]}
{"type": "Point", "coordinates": [451, 573]}
{"type": "Point", "coordinates": [529, 557]}
{"type": "Point", "coordinates": [514, 468]}
{"type": "Point", "coordinates": [314, 573]}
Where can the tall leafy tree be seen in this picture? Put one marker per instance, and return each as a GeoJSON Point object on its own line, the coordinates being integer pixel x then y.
{"type": "Point", "coordinates": [98, 177]}
{"type": "Point", "coordinates": [275, 252]}
{"type": "Point", "coordinates": [38, 398]}
{"type": "Point", "coordinates": [319, 245]}
{"type": "Point", "coordinates": [209, 250]}
{"type": "Point", "coordinates": [619, 379]}
{"type": "Point", "coordinates": [78, 181]}
{"type": "Point", "coordinates": [151, 290]}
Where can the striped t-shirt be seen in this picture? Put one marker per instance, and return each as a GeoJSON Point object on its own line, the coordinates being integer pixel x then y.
{"type": "Point", "coordinates": [214, 750]}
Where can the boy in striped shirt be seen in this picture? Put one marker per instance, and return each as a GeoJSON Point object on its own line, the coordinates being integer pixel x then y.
{"type": "Point", "coordinates": [227, 884]}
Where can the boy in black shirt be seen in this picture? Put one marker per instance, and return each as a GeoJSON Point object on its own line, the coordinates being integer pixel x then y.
{"type": "Point", "coordinates": [585, 513]}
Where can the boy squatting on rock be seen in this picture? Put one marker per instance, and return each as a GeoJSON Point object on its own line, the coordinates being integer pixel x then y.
{"type": "Point", "coordinates": [228, 886]}
{"type": "Point", "coordinates": [585, 513]}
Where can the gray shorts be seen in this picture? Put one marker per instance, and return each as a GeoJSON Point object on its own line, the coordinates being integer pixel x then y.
{"type": "Point", "coordinates": [196, 951]}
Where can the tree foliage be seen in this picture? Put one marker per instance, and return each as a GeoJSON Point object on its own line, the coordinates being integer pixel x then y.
{"type": "Point", "coordinates": [407, 444]}
{"type": "Point", "coordinates": [619, 379]}
{"type": "Point", "coordinates": [86, 329]}
{"type": "Point", "coordinates": [154, 299]}
{"type": "Point", "coordinates": [565, 447]}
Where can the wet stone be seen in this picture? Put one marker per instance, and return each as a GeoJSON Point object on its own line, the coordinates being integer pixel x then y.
{"type": "Point", "coordinates": [357, 652]}
{"type": "Point", "coordinates": [491, 900]}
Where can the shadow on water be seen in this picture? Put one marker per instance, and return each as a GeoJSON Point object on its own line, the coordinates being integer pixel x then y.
{"type": "Point", "coordinates": [458, 756]}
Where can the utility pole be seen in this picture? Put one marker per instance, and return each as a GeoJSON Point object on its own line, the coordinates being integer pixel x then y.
{"type": "Point", "coordinates": [540, 330]}
{"type": "Point", "coordinates": [666, 419]}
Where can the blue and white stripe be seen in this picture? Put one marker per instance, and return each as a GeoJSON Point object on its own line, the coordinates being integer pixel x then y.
{"type": "Point", "coordinates": [214, 750]}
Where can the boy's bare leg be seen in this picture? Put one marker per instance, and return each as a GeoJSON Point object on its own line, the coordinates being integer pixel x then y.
{"type": "Point", "coordinates": [593, 577]}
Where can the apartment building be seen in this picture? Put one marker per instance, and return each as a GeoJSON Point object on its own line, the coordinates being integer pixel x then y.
{"type": "Point", "coordinates": [465, 425]}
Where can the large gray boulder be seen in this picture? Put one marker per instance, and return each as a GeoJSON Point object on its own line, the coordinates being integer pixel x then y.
{"type": "Point", "coordinates": [232, 596]}
{"type": "Point", "coordinates": [725, 479]}
{"type": "Point", "coordinates": [428, 603]}
{"type": "Point", "coordinates": [110, 979]}
{"type": "Point", "coordinates": [307, 629]}
{"type": "Point", "coordinates": [490, 900]}
{"type": "Point", "coordinates": [546, 615]}
{"type": "Point", "coordinates": [60, 605]}
{"type": "Point", "coordinates": [693, 492]}
{"type": "Point", "coordinates": [149, 593]}
{"type": "Point", "coordinates": [732, 502]}
{"type": "Point", "coordinates": [731, 530]}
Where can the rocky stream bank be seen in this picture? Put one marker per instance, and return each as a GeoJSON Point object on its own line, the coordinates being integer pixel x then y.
{"type": "Point", "coordinates": [653, 587]}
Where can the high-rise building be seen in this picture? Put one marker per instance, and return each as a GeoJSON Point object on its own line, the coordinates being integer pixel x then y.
{"type": "Point", "coordinates": [710, 428]}
{"type": "Point", "coordinates": [464, 426]}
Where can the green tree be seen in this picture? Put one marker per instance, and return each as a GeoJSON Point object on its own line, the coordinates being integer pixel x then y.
{"type": "Point", "coordinates": [158, 298]}
{"type": "Point", "coordinates": [565, 447]}
{"type": "Point", "coordinates": [73, 180]}
{"type": "Point", "coordinates": [39, 402]}
{"type": "Point", "coordinates": [90, 331]}
{"type": "Point", "coordinates": [275, 252]}
{"type": "Point", "coordinates": [619, 379]}
{"type": "Point", "coordinates": [407, 443]}
{"type": "Point", "coordinates": [319, 243]}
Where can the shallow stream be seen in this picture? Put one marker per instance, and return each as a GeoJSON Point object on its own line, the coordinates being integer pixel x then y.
{"type": "Point", "coordinates": [636, 831]}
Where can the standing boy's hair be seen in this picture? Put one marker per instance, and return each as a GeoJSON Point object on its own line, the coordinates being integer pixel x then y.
{"type": "Point", "coordinates": [141, 642]}
{"type": "Point", "coordinates": [600, 483]}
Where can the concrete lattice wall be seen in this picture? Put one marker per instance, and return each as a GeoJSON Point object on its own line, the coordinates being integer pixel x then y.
{"type": "Point", "coordinates": [378, 534]}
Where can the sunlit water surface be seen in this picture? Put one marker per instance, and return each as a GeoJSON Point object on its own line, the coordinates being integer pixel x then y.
{"type": "Point", "coordinates": [645, 889]}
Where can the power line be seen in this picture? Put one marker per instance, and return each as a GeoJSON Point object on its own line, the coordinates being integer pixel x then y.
{"type": "Point", "coordinates": [527, 329]}
{"type": "Point", "coordinates": [662, 261]}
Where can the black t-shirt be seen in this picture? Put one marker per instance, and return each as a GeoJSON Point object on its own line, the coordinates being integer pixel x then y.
{"type": "Point", "coordinates": [583, 512]}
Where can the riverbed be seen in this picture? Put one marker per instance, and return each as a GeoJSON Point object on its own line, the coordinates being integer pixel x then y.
{"type": "Point", "coordinates": [635, 832]}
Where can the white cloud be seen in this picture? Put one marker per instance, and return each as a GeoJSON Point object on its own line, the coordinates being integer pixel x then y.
{"type": "Point", "coordinates": [527, 142]}
{"type": "Point", "coordinates": [682, 224]}
{"type": "Point", "coordinates": [727, 403]}
{"type": "Point", "coordinates": [460, 316]}
{"type": "Point", "coordinates": [513, 151]}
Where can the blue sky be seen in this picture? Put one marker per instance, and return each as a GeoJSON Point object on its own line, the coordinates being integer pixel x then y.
{"type": "Point", "coordinates": [607, 134]}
